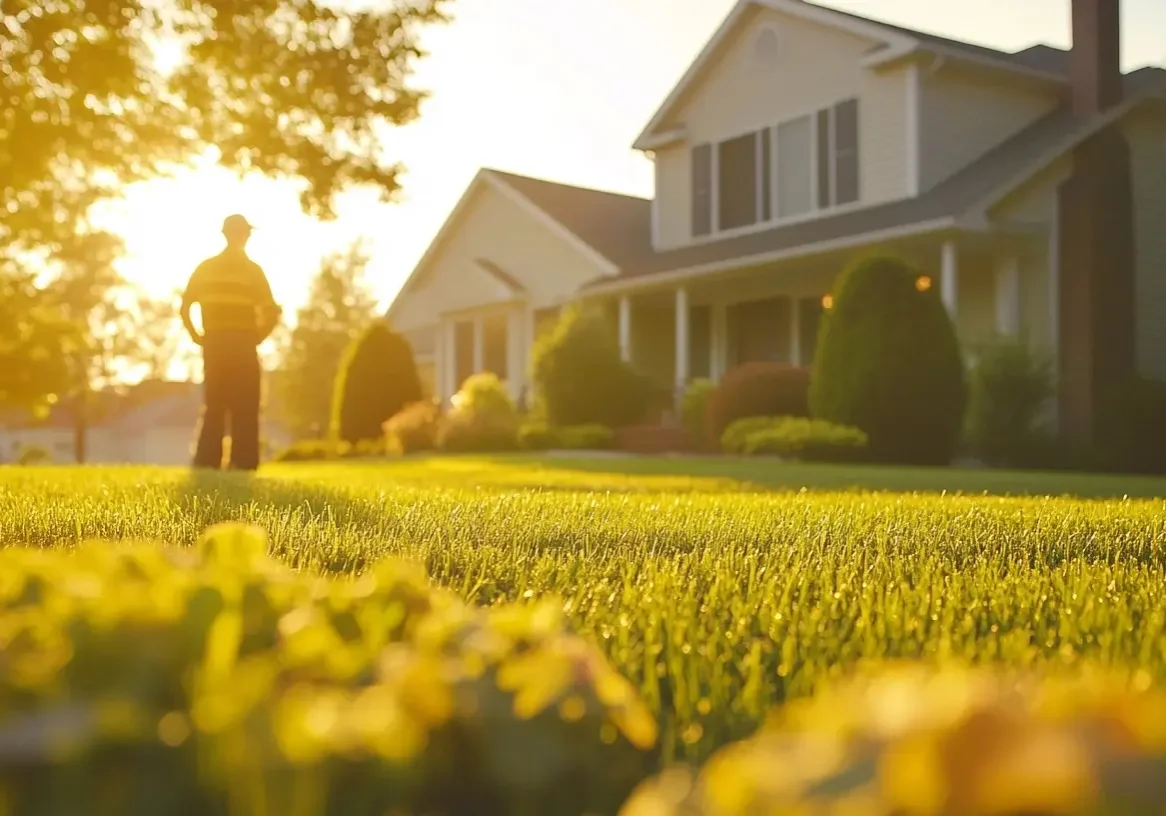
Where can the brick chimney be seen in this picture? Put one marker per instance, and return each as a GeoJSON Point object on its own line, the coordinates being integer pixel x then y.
{"type": "Point", "coordinates": [1095, 61]}
{"type": "Point", "coordinates": [1097, 345]}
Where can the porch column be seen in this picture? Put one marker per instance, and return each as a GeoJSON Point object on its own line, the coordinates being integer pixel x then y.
{"type": "Point", "coordinates": [479, 345]}
{"type": "Point", "coordinates": [625, 328]}
{"type": "Point", "coordinates": [949, 278]}
{"type": "Point", "coordinates": [681, 341]}
{"type": "Point", "coordinates": [1008, 296]}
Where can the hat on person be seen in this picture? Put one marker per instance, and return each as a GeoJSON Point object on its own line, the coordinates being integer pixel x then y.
{"type": "Point", "coordinates": [236, 222]}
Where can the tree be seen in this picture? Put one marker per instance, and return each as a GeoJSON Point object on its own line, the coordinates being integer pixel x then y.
{"type": "Point", "coordinates": [32, 336]}
{"type": "Point", "coordinates": [87, 291]}
{"type": "Point", "coordinates": [338, 308]}
{"type": "Point", "coordinates": [377, 378]}
{"type": "Point", "coordinates": [889, 364]}
{"type": "Point", "coordinates": [157, 333]}
{"type": "Point", "coordinates": [299, 89]}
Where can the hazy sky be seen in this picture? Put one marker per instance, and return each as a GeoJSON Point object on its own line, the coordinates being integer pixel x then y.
{"type": "Point", "coordinates": [550, 88]}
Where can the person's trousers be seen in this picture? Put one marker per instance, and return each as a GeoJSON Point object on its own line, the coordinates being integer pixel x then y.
{"type": "Point", "coordinates": [231, 392]}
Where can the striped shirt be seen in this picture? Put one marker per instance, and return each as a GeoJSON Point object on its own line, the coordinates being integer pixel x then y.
{"type": "Point", "coordinates": [233, 294]}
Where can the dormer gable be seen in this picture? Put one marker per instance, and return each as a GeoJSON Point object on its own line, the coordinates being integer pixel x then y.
{"type": "Point", "coordinates": [768, 21]}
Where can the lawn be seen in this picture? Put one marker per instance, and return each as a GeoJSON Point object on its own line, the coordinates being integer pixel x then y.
{"type": "Point", "coordinates": [718, 587]}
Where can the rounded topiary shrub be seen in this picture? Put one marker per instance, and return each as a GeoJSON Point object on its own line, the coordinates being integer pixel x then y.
{"type": "Point", "coordinates": [889, 363]}
{"type": "Point", "coordinates": [377, 378]}
{"type": "Point", "coordinates": [483, 418]}
{"type": "Point", "coordinates": [757, 389]}
{"type": "Point", "coordinates": [581, 378]}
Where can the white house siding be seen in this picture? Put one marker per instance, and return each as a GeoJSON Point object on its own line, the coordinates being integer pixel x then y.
{"type": "Point", "coordinates": [963, 115]}
{"type": "Point", "coordinates": [817, 67]}
{"type": "Point", "coordinates": [495, 228]}
{"type": "Point", "coordinates": [673, 197]}
{"type": "Point", "coordinates": [1146, 132]}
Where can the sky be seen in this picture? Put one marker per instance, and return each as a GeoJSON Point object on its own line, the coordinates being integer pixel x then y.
{"type": "Point", "coordinates": [557, 89]}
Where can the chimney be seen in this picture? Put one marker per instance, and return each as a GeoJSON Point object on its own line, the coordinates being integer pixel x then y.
{"type": "Point", "coordinates": [1095, 61]}
{"type": "Point", "coordinates": [1097, 262]}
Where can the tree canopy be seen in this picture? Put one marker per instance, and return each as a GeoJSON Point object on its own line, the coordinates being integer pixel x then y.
{"type": "Point", "coordinates": [96, 94]}
{"type": "Point", "coordinates": [338, 308]}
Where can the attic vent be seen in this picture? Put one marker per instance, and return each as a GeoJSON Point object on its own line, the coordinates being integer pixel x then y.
{"type": "Point", "coordinates": [767, 45]}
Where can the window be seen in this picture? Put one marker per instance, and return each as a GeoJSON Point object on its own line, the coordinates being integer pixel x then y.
{"type": "Point", "coordinates": [767, 46]}
{"type": "Point", "coordinates": [700, 338]}
{"type": "Point", "coordinates": [495, 349]}
{"type": "Point", "coordinates": [809, 320]}
{"type": "Point", "coordinates": [795, 182]}
{"type": "Point", "coordinates": [759, 330]}
{"type": "Point", "coordinates": [789, 170]}
{"type": "Point", "coordinates": [737, 182]}
{"type": "Point", "coordinates": [702, 189]}
{"type": "Point", "coordinates": [463, 347]}
{"type": "Point", "coordinates": [545, 320]}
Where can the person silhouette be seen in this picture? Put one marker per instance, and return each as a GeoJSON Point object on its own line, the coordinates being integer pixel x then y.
{"type": "Point", "coordinates": [238, 313]}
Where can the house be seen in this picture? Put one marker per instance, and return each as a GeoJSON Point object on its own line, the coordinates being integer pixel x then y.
{"type": "Point", "coordinates": [151, 423]}
{"type": "Point", "coordinates": [1029, 188]}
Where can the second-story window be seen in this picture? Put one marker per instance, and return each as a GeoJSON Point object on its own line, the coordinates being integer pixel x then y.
{"type": "Point", "coordinates": [786, 171]}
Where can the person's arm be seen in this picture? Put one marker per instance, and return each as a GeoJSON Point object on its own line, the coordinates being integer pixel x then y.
{"type": "Point", "coordinates": [269, 310]}
{"type": "Point", "coordinates": [190, 296]}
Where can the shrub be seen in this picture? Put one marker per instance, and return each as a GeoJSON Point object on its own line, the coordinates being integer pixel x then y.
{"type": "Point", "coordinates": [693, 408]}
{"type": "Point", "coordinates": [888, 362]}
{"type": "Point", "coordinates": [757, 389]}
{"type": "Point", "coordinates": [580, 377]}
{"type": "Point", "coordinates": [1009, 394]}
{"type": "Point", "coordinates": [911, 740]}
{"type": "Point", "coordinates": [214, 680]}
{"type": "Point", "coordinates": [413, 429]}
{"type": "Point", "coordinates": [31, 455]}
{"type": "Point", "coordinates": [483, 418]}
{"type": "Point", "coordinates": [736, 436]}
{"type": "Point", "coordinates": [1132, 427]}
{"type": "Point", "coordinates": [807, 440]}
{"type": "Point", "coordinates": [537, 435]}
{"type": "Point", "coordinates": [586, 437]}
{"type": "Point", "coordinates": [378, 377]}
{"type": "Point", "coordinates": [314, 450]}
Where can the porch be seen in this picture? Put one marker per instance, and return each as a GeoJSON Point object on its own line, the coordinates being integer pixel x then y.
{"type": "Point", "coordinates": [495, 339]}
{"type": "Point", "coordinates": [703, 325]}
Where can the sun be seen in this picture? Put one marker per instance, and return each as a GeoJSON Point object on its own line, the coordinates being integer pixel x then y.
{"type": "Point", "coordinates": [171, 224]}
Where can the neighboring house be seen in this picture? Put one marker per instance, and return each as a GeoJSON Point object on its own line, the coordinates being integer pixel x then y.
{"type": "Point", "coordinates": [802, 137]}
{"type": "Point", "coordinates": [152, 423]}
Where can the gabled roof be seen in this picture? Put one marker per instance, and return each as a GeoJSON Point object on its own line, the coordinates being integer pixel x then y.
{"type": "Point", "coordinates": [617, 226]}
{"type": "Point", "coordinates": [1042, 62]}
{"type": "Point", "coordinates": [546, 201]}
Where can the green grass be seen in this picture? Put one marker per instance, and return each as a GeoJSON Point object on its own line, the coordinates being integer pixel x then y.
{"type": "Point", "coordinates": [719, 587]}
